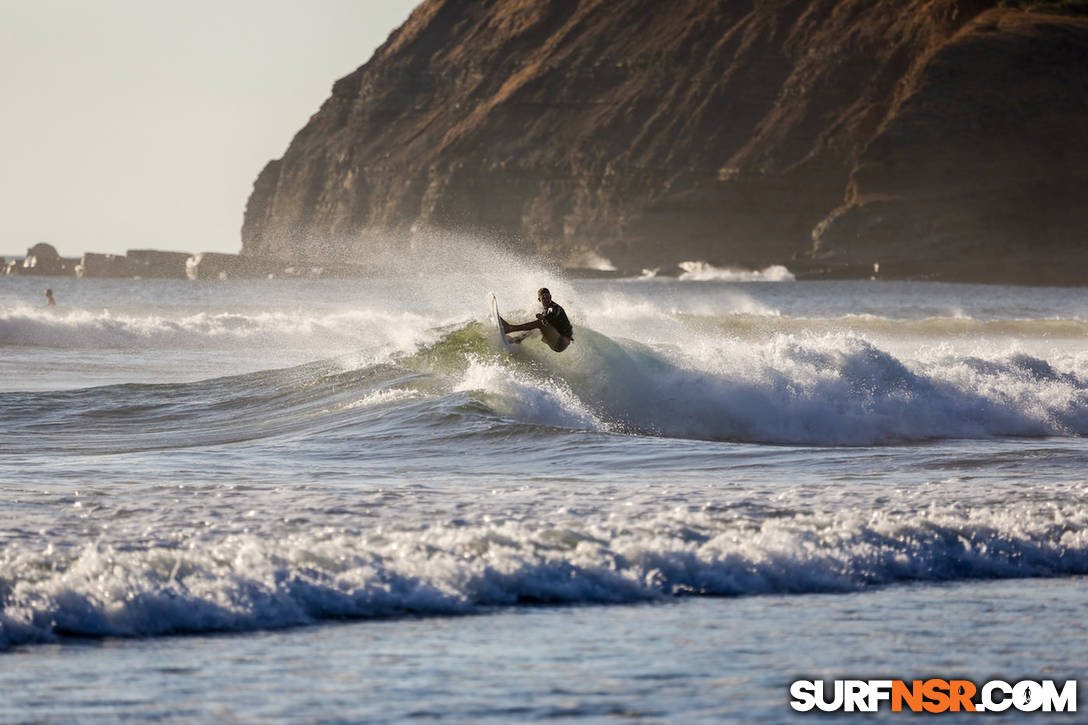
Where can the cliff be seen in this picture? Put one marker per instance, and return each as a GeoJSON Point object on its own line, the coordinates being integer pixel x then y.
{"type": "Point", "coordinates": [938, 138]}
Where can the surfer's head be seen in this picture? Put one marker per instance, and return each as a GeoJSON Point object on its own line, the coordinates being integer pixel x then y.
{"type": "Point", "coordinates": [544, 296]}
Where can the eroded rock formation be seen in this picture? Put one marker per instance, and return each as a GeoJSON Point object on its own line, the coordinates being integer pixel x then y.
{"type": "Point", "coordinates": [938, 138]}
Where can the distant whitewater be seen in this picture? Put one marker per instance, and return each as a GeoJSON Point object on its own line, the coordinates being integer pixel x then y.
{"type": "Point", "coordinates": [703, 272]}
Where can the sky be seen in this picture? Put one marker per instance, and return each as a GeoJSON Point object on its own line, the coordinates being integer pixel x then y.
{"type": "Point", "coordinates": [142, 124]}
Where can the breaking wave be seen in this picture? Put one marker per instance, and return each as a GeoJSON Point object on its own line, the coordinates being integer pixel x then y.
{"type": "Point", "coordinates": [836, 390]}
{"type": "Point", "coordinates": [833, 390]}
{"type": "Point", "coordinates": [247, 581]}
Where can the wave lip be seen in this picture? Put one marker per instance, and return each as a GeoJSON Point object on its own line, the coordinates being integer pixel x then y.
{"type": "Point", "coordinates": [248, 582]}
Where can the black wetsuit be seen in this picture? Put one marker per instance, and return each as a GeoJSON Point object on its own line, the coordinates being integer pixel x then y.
{"type": "Point", "coordinates": [557, 318]}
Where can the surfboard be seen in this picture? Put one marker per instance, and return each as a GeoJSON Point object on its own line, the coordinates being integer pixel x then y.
{"type": "Point", "coordinates": [497, 320]}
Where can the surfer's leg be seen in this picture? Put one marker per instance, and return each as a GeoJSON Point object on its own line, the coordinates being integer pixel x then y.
{"type": "Point", "coordinates": [555, 341]}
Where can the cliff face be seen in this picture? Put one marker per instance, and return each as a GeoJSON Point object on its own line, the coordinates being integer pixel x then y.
{"type": "Point", "coordinates": [981, 170]}
{"type": "Point", "coordinates": [826, 134]}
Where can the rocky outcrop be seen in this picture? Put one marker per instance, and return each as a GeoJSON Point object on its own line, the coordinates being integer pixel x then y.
{"type": "Point", "coordinates": [94, 264]}
{"type": "Point", "coordinates": [933, 138]}
{"type": "Point", "coordinates": [153, 263]}
{"type": "Point", "coordinates": [43, 259]}
{"type": "Point", "coordinates": [216, 265]}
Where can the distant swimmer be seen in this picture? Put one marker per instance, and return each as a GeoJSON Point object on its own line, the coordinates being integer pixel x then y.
{"type": "Point", "coordinates": [553, 324]}
{"type": "Point", "coordinates": [49, 301]}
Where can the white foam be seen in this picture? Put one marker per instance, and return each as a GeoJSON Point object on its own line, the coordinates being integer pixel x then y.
{"type": "Point", "coordinates": [201, 583]}
{"type": "Point", "coordinates": [830, 390]}
{"type": "Point", "coordinates": [546, 401]}
{"type": "Point", "coordinates": [385, 396]}
{"type": "Point", "coordinates": [593, 260]}
{"type": "Point", "coordinates": [704, 272]}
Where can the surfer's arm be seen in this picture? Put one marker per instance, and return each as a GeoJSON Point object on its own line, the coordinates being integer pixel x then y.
{"type": "Point", "coordinates": [534, 325]}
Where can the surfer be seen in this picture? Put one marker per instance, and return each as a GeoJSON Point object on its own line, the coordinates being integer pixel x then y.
{"type": "Point", "coordinates": [553, 324]}
{"type": "Point", "coordinates": [49, 301]}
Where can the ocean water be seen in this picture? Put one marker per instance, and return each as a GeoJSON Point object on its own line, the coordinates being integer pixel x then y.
{"type": "Point", "coordinates": [341, 501]}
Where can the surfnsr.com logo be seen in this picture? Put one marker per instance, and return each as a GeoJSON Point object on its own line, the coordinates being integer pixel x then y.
{"type": "Point", "coordinates": [933, 696]}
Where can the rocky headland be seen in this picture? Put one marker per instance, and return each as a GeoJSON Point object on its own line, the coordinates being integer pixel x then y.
{"type": "Point", "coordinates": [936, 139]}
{"type": "Point", "coordinates": [42, 259]}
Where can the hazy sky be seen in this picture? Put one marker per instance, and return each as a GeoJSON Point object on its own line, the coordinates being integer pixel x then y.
{"type": "Point", "coordinates": [143, 123]}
